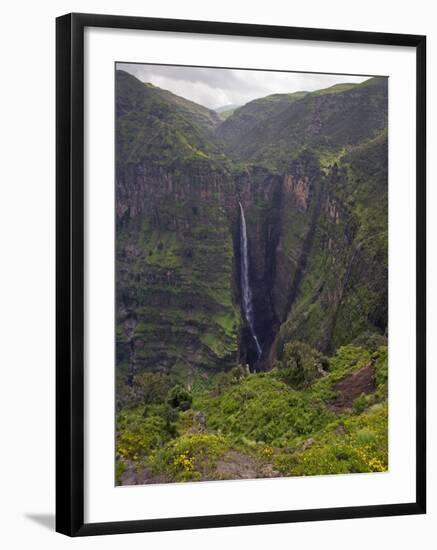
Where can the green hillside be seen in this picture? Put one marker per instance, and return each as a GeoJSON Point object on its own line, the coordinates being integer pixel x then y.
{"type": "Point", "coordinates": [157, 126]}
{"type": "Point", "coordinates": [276, 129]}
{"type": "Point", "coordinates": [194, 399]}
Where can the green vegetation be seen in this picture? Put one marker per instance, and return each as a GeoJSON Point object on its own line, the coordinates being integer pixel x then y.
{"type": "Point", "coordinates": [180, 398]}
{"type": "Point", "coordinates": [354, 445]}
{"type": "Point", "coordinates": [300, 365]}
{"type": "Point", "coordinates": [189, 457]}
{"type": "Point", "coordinates": [164, 128]}
{"type": "Point", "coordinates": [310, 169]}
{"type": "Point", "coordinates": [262, 418]}
{"type": "Point", "coordinates": [273, 131]}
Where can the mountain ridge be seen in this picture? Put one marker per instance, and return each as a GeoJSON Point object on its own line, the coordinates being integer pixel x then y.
{"type": "Point", "coordinates": [275, 135]}
{"type": "Point", "coordinates": [187, 157]}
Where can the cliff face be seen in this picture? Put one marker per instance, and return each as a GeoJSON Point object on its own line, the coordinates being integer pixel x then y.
{"type": "Point", "coordinates": [174, 245]}
{"type": "Point", "coordinates": [259, 192]}
{"type": "Point", "coordinates": [311, 173]}
{"type": "Point", "coordinates": [174, 271]}
{"type": "Point", "coordinates": [343, 289]}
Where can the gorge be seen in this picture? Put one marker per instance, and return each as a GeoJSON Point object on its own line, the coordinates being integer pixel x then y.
{"type": "Point", "coordinates": [300, 177]}
{"type": "Point", "coordinates": [251, 284]}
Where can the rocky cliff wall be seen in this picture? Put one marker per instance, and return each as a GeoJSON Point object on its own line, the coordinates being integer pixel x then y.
{"type": "Point", "coordinates": [174, 270]}
{"type": "Point", "coordinates": [316, 226]}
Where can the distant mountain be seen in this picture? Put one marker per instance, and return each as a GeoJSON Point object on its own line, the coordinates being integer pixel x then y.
{"type": "Point", "coordinates": [242, 120]}
{"type": "Point", "coordinates": [272, 130]}
{"type": "Point", "coordinates": [226, 110]}
{"type": "Point", "coordinates": [229, 107]}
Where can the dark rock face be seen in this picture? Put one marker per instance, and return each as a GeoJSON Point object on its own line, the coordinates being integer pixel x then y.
{"type": "Point", "coordinates": [282, 212]}
{"type": "Point", "coordinates": [174, 271]}
{"type": "Point", "coordinates": [344, 289]}
{"type": "Point", "coordinates": [315, 198]}
{"type": "Point", "coordinates": [259, 192]}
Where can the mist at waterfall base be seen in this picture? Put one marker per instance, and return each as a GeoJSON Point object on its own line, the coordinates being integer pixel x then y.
{"type": "Point", "coordinates": [246, 291]}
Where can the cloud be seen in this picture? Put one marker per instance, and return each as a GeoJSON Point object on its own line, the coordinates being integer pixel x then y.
{"type": "Point", "coordinates": [214, 88]}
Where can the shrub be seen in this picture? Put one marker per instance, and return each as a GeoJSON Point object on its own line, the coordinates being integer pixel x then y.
{"type": "Point", "coordinates": [154, 386]}
{"type": "Point", "coordinates": [237, 374]}
{"type": "Point", "coordinates": [359, 404]}
{"type": "Point", "coordinates": [137, 436]}
{"type": "Point", "coordinates": [224, 380]}
{"type": "Point", "coordinates": [263, 409]}
{"type": "Point", "coordinates": [360, 446]}
{"type": "Point", "coordinates": [370, 341]}
{"type": "Point", "coordinates": [146, 387]}
{"type": "Point", "coordinates": [190, 457]}
{"type": "Point", "coordinates": [300, 365]}
{"type": "Point", "coordinates": [180, 398]}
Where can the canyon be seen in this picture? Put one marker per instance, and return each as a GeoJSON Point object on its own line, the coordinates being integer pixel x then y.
{"type": "Point", "coordinates": [284, 200]}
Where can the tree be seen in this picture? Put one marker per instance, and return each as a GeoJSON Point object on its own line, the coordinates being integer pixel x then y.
{"type": "Point", "coordinates": [179, 398]}
{"type": "Point", "coordinates": [154, 387]}
{"type": "Point", "coordinates": [301, 364]}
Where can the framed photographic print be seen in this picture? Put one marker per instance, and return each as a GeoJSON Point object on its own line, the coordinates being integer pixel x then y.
{"type": "Point", "coordinates": [240, 274]}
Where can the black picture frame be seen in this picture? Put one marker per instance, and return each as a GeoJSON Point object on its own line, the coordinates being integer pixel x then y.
{"type": "Point", "coordinates": [70, 273]}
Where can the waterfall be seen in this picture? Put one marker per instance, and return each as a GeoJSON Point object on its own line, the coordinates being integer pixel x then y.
{"type": "Point", "coordinates": [245, 285]}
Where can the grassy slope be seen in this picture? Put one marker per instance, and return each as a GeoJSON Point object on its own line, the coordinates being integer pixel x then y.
{"type": "Point", "coordinates": [244, 123]}
{"type": "Point", "coordinates": [289, 431]}
{"type": "Point", "coordinates": [157, 126]}
{"type": "Point", "coordinates": [329, 121]}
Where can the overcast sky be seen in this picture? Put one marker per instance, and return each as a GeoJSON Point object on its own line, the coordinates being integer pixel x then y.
{"type": "Point", "coordinates": [214, 88]}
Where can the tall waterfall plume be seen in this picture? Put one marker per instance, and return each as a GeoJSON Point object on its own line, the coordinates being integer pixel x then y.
{"type": "Point", "coordinates": [246, 291]}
